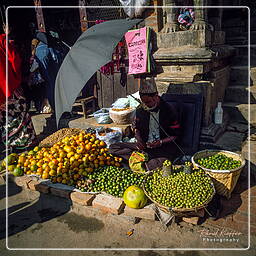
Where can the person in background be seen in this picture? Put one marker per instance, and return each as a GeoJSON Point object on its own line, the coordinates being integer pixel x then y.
{"type": "Point", "coordinates": [35, 81]}
{"type": "Point", "coordinates": [18, 127]}
{"type": "Point", "coordinates": [150, 137]}
{"type": "Point", "coordinates": [49, 59]}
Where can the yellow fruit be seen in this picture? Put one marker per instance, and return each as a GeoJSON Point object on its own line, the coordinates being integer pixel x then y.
{"type": "Point", "coordinates": [59, 179]}
{"type": "Point", "coordinates": [88, 147]}
{"type": "Point", "coordinates": [21, 159]}
{"type": "Point", "coordinates": [91, 158]}
{"type": "Point", "coordinates": [96, 161]}
{"type": "Point", "coordinates": [72, 159]}
{"type": "Point", "coordinates": [45, 176]}
{"type": "Point", "coordinates": [89, 169]}
{"type": "Point", "coordinates": [77, 156]}
{"type": "Point", "coordinates": [11, 168]}
{"type": "Point", "coordinates": [64, 175]}
{"type": "Point", "coordinates": [117, 164]}
{"type": "Point", "coordinates": [64, 181]}
{"type": "Point", "coordinates": [101, 163]}
{"type": "Point", "coordinates": [54, 179]}
{"type": "Point", "coordinates": [68, 149]}
{"type": "Point", "coordinates": [39, 171]}
{"type": "Point", "coordinates": [102, 144]}
{"type": "Point", "coordinates": [76, 176]}
{"type": "Point", "coordinates": [52, 173]}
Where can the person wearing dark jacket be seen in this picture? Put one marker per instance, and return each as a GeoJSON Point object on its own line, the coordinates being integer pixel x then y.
{"type": "Point", "coordinates": [152, 113]}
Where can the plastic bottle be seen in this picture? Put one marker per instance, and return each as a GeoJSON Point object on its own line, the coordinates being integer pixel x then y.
{"type": "Point", "coordinates": [218, 114]}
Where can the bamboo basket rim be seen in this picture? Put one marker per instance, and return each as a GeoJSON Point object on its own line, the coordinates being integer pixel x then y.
{"type": "Point", "coordinates": [179, 209]}
{"type": "Point", "coordinates": [194, 157]}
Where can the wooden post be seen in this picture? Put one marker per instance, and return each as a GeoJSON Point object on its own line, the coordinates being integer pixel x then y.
{"type": "Point", "coordinates": [83, 15]}
{"type": "Point", "coordinates": [39, 16]}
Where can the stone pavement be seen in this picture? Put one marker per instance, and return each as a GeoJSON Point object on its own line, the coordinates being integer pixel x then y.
{"type": "Point", "coordinates": [235, 212]}
{"type": "Point", "coordinates": [40, 220]}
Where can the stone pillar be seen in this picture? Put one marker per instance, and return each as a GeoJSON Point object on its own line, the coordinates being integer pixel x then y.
{"type": "Point", "coordinates": [219, 18]}
{"type": "Point", "coordinates": [200, 16]}
{"type": "Point", "coordinates": [39, 16]}
{"type": "Point", "coordinates": [171, 24]}
{"type": "Point", "coordinates": [215, 16]}
{"type": "Point", "coordinates": [83, 15]}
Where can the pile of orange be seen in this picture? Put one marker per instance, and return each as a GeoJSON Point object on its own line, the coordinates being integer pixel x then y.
{"type": "Point", "coordinates": [69, 159]}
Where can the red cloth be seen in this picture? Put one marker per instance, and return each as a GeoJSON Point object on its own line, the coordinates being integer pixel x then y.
{"type": "Point", "coordinates": [14, 69]}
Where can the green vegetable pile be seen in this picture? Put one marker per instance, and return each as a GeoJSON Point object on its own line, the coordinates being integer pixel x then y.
{"type": "Point", "coordinates": [167, 163]}
{"type": "Point", "coordinates": [179, 190]}
{"type": "Point", "coordinates": [219, 162]}
{"type": "Point", "coordinates": [112, 180]}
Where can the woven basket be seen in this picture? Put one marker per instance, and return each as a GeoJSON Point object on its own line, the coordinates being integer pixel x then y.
{"type": "Point", "coordinates": [179, 211]}
{"type": "Point", "coordinates": [122, 117]}
{"type": "Point", "coordinates": [224, 180]}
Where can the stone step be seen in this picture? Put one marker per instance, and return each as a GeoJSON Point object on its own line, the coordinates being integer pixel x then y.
{"type": "Point", "coordinates": [239, 75]}
{"type": "Point", "coordinates": [243, 49]}
{"type": "Point", "coordinates": [237, 40]}
{"type": "Point", "coordinates": [239, 112]}
{"type": "Point", "coordinates": [240, 94]}
{"type": "Point", "coordinates": [232, 22]}
{"type": "Point", "coordinates": [234, 32]}
{"type": "Point", "coordinates": [231, 141]}
{"type": "Point", "coordinates": [242, 60]}
{"type": "Point", "coordinates": [252, 36]}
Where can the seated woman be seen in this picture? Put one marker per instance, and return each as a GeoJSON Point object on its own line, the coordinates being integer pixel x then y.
{"type": "Point", "coordinates": [17, 131]}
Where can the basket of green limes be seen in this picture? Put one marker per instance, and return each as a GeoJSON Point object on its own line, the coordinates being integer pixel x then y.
{"type": "Point", "coordinates": [180, 192]}
{"type": "Point", "coordinates": [223, 166]}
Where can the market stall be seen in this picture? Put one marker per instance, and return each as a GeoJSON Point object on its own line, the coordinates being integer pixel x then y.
{"type": "Point", "coordinates": [80, 160]}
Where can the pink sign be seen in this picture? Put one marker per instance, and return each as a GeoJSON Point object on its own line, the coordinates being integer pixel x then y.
{"type": "Point", "coordinates": [136, 41]}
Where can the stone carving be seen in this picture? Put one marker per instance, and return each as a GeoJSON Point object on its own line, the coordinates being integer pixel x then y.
{"type": "Point", "coordinates": [201, 18]}
{"type": "Point", "coordinates": [200, 15]}
{"type": "Point", "coordinates": [171, 24]}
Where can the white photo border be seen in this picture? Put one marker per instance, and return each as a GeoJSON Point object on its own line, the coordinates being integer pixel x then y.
{"type": "Point", "coordinates": [133, 249]}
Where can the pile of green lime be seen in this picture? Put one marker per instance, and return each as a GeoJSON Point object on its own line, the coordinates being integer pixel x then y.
{"type": "Point", "coordinates": [180, 189]}
{"type": "Point", "coordinates": [167, 163]}
{"type": "Point", "coordinates": [219, 162]}
{"type": "Point", "coordinates": [112, 180]}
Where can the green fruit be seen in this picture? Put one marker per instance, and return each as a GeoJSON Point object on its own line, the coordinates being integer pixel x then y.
{"type": "Point", "coordinates": [11, 167]}
{"type": "Point", "coordinates": [31, 152]}
{"type": "Point", "coordinates": [134, 197]}
{"type": "Point", "coordinates": [10, 159]}
{"type": "Point", "coordinates": [18, 171]}
{"type": "Point", "coordinates": [179, 189]}
{"type": "Point", "coordinates": [36, 149]}
{"type": "Point", "coordinates": [219, 162]}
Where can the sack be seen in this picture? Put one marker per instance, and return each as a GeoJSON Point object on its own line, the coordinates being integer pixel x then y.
{"type": "Point", "coordinates": [109, 135]}
{"type": "Point", "coordinates": [132, 102]}
{"type": "Point", "coordinates": [134, 8]}
{"type": "Point", "coordinates": [122, 116]}
{"type": "Point", "coordinates": [121, 103]}
{"type": "Point", "coordinates": [102, 116]}
{"type": "Point", "coordinates": [137, 161]}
